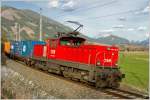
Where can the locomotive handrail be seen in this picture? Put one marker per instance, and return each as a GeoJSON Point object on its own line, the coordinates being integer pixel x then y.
{"type": "Point", "coordinates": [96, 56]}
{"type": "Point", "coordinates": [103, 61]}
{"type": "Point", "coordinates": [111, 61]}
{"type": "Point", "coordinates": [89, 59]}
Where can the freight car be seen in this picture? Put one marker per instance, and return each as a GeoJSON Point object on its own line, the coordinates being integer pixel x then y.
{"type": "Point", "coordinates": [14, 49]}
{"type": "Point", "coordinates": [7, 47]}
{"type": "Point", "coordinates": [22, 50]}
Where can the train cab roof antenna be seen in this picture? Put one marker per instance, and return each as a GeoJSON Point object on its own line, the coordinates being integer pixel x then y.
{"type": "Point", "coordinates": [77, 23]}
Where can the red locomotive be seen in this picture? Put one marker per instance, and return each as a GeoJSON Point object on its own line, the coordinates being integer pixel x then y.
{"type": "Point", "coordinates": [68, 55]}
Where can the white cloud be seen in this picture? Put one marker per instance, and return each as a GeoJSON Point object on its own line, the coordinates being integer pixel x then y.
{"type": "Point", "coordinates": [103, 35]}
{"type": "Point", "coordinates": [118, 26]}
{"type": "Point", "coordinates": [146, 10]}
{"type": "Point", "coordinates": [130, 29]}
{"type": "Point", "coordinates": [107, 31]}
{"type": "Point", "coordinates": [142, 28]}
{"type": "Point", "coordinates": [66, 5]}
{"type": "Point", "coordinates": [137, 12]}
{"type": "Point", "coordinates": [69, 5]}
{"type": "Point", "coordinates": [147, 34]}
{"type": "Point", "coordinates": [54, 3]}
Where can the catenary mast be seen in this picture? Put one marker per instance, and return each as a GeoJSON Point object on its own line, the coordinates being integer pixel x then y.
{"type": "Point", "coordinates": [40, 24]}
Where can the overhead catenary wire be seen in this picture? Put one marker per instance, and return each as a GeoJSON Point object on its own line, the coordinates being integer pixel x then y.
{"type": "Point", "coordinates": [89, 8]}
{"type": "Point", "coordinates": [110, 15]}
{"type": "Point", "coordinates": [113, 14]}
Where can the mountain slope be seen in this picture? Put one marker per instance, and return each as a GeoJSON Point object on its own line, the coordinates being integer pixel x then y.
{"type": "Point", "coordinates": [145, 42]}
{"type": "Point", "coordinates": [29, 23]}
{"type": "Point", "coordinates": [112, 39]}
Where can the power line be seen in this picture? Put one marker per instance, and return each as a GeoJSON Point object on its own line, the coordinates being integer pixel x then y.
{"type": "Point", "coordinates": [113, 14]}
{"type": "Point", "coordinates": [89, 8]}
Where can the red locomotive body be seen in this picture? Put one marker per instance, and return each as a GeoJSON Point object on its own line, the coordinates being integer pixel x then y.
{"type": "Point", "coordinates": [106, 56]}
{"type": "Point", "coordinates": [73, 58]}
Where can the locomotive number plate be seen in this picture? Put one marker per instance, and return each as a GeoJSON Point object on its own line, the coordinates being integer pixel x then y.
{"type": "Point", "coordinates": [53, 52]}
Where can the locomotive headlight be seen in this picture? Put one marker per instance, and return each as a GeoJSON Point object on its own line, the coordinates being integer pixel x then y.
{"type": "Point", "coordinates": [98, 63]}
{"type": "Point", "coordinates": [116, 64]}
{"type": "Point", "coordinates": [108, 48]}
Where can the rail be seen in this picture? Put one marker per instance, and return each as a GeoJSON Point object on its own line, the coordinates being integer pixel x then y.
{"type": "Point", "coordinates": [125, 94]}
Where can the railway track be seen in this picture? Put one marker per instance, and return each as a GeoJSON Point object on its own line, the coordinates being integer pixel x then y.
{"type": "Point", "coordinates": [113, 92]}
{"type": "Point", "coordinates": [124, 94]}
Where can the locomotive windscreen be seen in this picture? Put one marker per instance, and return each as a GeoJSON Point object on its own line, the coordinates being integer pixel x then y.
{"type": "Point", "coordinates": [71, 41]}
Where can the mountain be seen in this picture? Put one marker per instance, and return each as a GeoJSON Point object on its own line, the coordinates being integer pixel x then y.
{"type": "Point", "coordinates": [145, 42]}
{"type": "Point", "coordinates": [111, 39]}
{"type": "Point", "coordinates": [29, 24]}
{"type": "Point", "coordinates": [142, 43]}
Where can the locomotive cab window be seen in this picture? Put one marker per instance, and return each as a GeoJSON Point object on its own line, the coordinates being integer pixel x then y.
{"type": "Point", "coordinates": [53, 43]}
{"type": "Point", "coordinates": [71, 41]}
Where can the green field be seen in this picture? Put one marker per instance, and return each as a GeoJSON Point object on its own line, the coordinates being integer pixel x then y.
{"type": "Point", "coordinates": [136, 67]}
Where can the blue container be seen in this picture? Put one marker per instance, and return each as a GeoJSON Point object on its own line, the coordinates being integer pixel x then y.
{"type": "Point", "coordinates": [27, 47]}
{"type": "Point", "coordinates": [15, 48]}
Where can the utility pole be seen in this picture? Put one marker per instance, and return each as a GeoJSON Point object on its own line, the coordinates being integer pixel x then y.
{"type": "Point", "coordinates": [40, 24]}
{"type": "Point", "coordinates": [16, 26]}
{"type": "Point", "coordinates": [19, 33]}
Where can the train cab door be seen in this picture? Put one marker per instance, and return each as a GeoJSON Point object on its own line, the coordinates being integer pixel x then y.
{"type": "Point", "coordinates": [53, 47]}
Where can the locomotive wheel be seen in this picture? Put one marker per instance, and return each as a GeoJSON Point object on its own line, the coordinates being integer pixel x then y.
{"type": "Point", "coordinates": [29, 63]}
{"type": "Point", "coordinates": [114, 85]}
{"type": "Point", "coordinates": [112, 82]}
{"type": "Point", "coordinates": [75, 79]}
{"type": "Point", "coordinates": [44, 68]}
{"type": "Point", "coordinates": [32, 63]}
{"type": "Point", "coordinates": [117, 85]}
{"type": "Point", "coordinates": [26, 63]}
{"type": "Point", "coordinates": [101, 83]}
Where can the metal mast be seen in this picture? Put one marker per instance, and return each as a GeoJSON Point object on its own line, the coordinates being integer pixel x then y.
{"type": "Point", "coordinates": [19, 32]}
{"type": "Point", "coordinates": [40, 24]}
{"type": "Point", "coordinates": [16, 26]}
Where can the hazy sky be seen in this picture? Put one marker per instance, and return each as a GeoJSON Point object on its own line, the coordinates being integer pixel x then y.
{"type": "Point", "coordinates": [125, 18]}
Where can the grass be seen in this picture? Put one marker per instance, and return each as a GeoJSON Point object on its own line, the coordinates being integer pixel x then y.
{"type": "Point", "coordinates": [136, 67]}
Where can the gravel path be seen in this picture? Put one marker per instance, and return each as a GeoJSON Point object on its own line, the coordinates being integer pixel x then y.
{"type": "Point", "coordinates": [47, 86]}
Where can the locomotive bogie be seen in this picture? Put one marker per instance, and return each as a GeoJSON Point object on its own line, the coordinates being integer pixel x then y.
{"type": "Point", "coordinates": [102, 77]}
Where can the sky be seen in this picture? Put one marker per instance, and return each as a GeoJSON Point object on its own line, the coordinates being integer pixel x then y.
{"type": "Point", "coordinates": [124, 18]}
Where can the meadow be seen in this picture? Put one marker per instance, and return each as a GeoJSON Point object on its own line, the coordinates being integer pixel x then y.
{"type": "Point", "coordinates": [136, 67]}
